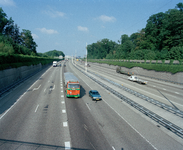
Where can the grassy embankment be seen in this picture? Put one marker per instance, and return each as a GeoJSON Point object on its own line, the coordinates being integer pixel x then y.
{"type": "Point", "coordinates": [14, 61]}
{"type": "Point", "coordinates": [173, 68]}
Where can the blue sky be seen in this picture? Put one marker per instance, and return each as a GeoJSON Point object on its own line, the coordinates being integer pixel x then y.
{"type": "Point", "coordinates": [67, 25]}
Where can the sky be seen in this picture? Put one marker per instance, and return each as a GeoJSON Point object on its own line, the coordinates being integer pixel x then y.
{"type": "Point", "coordinates": [70, 25]}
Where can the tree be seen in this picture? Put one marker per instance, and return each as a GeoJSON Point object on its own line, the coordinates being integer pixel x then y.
{"type": "Point", "coordinates": [124, 38]}
{"type": "Point", "coordinates": [3, 20]}
{"type": "Point", "coordinates": [27, 40]}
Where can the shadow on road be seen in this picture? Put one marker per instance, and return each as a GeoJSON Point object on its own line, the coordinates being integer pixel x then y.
{"type": "Point", "coordinates": [14, 145]}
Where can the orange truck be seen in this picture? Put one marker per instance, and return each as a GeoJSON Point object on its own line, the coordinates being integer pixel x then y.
{"type": "Point", "coordinates": [72, 86]}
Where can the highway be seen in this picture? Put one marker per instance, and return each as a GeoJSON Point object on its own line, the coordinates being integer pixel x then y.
{"type": "Point", "coordinates": [37, 115]}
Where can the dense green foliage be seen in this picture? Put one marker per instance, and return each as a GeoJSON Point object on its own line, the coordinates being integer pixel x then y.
{"type": "Point", "coordinates": [54, 53]}
{"type": "Point", "coordinates": [13, 41]}
{"type": "Point", "coordinates": [149, 66]}
{"type": "Point", "coordinates": [17, 60]}
{"type": "Point", "coordinates": [18, 48]}
{"type": "Point", "coordinates": [162, 38]}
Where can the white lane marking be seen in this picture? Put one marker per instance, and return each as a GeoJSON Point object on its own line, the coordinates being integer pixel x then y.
{"type": "Point", "coordinates": [36, 108]}
{"type": "Point", "coordinates": [67, 145]}
{"type": "Point", "coordinates": [176, 92]}
{"type": "Point", "coordinates": [164, 89]}
{"type": "Point", "coordinates": [62, 91]}
{"type": "Point", "coordinates": [62, 96]}
{"type": "Point", "coordinates": [44, 90]}
{"type": "Point", "coordinates": [61, 87]}
{"type": "Point", "coordinates": [37, 88]}
{"type": "Point", "coordinates": [63, 111]}
{"type": "Point", "coordinates": [63, 102]}
{"type": "Point", "coordinates": [88, 85]}
{"type": "Point", "coordinates": [23, 94]}
{"type": "Point", "coordinates": [154, 86]}
{"type": "Point", "coordinates": [130, 125]}
{"type": "Point", "coordinates": [65, 124]}
{"type": "Point", "coordinates": [53, 87]}
{"type": "Point", "coordinates": [88, 106]}
{"type": "Point", "coordinates": [113, 148]}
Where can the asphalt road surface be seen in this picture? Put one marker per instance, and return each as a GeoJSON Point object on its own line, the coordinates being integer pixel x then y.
{"type": "Point", "coordinates": [36, 115]}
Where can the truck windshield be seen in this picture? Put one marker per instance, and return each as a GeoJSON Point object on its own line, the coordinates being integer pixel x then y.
{"type": "Point", "coordinates": [73, 86]}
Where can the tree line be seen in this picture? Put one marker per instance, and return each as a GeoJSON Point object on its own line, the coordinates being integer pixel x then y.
{"type": "Point", "coordinates": [52, 53]}
{"type": "Point", "coordinates": [12, 41]}
{"type": "Point", "coordinates": [161, 39]}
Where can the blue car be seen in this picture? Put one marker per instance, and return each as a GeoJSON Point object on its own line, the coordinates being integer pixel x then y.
{"type": "Point", "coordinates": [94, 94]}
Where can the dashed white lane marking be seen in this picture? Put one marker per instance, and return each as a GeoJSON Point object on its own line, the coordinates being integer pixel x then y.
{"type": "Point", "coordinates": [67, 145]}
{"type": "Point", "coordinates": [63, 102]}
{"type": "Point", "coordinates": [36, 108]}
{"type": "Point", "coordinates": [44, 90]}
{"type": "Point", "coordinates": [63, 111]}
{"type": "Point", "coordinates": [62, 91]}
{"type": "Point", "coordinates": [176, 92]}
{"type": "Point", "coordinates": [23, 95]}
{"type": "Point", "coordinates": [164, 89]}
{"type": "Point", "coordinates": [65, 124]}
{"type": "Point", "coordinates": [53, 87]}
{"type": "Point", "coordinates": [154, 86]}
{"type": "Point", "coordinates": [61, 87]}
{"type": "Point", "coordinates": [62, 96]}
{"type": "Point", "coordinates": [88, 106]}
{"type": "Point", "coordinates": [113, 148]}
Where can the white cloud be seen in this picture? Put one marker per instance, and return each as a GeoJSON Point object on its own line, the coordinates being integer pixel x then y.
{"type": "Point", "coordinates": [105, 18]}
{"type": "Point", "coordinates": [52, 13]}
{"type": "Point", "coordinates": [7, 3]}
{"type": "Point", "coordinates": [47, 31]}
{"type": "Point", "coordinates": [34, 36]}
{"type": "Point", "coordinates": [80, 28]}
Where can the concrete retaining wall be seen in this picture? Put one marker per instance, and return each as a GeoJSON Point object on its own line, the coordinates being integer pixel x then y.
{"type": "Point", "coordinates": [165, 76]}
{"type": "Point", "coordinates": [10, 76]}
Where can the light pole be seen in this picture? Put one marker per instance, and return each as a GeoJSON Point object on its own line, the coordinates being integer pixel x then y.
{"type": "Point", "coordinates": [86, 59]}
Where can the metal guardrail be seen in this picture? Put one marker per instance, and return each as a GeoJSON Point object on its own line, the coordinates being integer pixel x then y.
{"type": "Point", "coordinates": [167, 124]}
{"type": "Point", "coordinates": [144, 97]}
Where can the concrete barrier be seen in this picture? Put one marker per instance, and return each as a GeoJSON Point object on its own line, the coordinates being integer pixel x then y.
{"type": "Point", "coordinates": [10, 76]}
{"type": "Point", "coordinates": [164, 76]}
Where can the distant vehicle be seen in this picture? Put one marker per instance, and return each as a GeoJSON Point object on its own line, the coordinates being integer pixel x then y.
{"type": "Point", "coordinates": [87, 65]}
{"type": "Point", "coordinates": [72, 85]}
{"type": "Point", "coordinates": [94, 94]}
{"type": "Point", "coordinates": [136, 79]}
{"type": "Point", "coordinates": [119, 70]}
{"type": "Point", "coordinates": [54, 63]}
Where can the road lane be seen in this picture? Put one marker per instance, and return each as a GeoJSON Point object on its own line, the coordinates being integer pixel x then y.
{"type": "Point", "coordinates": [24, 127]}
{"type": "Point", "coordinates": [158, 136]}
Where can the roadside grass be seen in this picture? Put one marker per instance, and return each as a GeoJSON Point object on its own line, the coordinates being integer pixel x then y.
{"type": "Point", "coordinates": [149, 66]}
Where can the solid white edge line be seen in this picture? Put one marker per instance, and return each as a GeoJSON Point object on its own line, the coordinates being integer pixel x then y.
{"type": "Point", "coordinates": [130, 125]}
{"type": "Point", "coordinates": [22, 96]}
